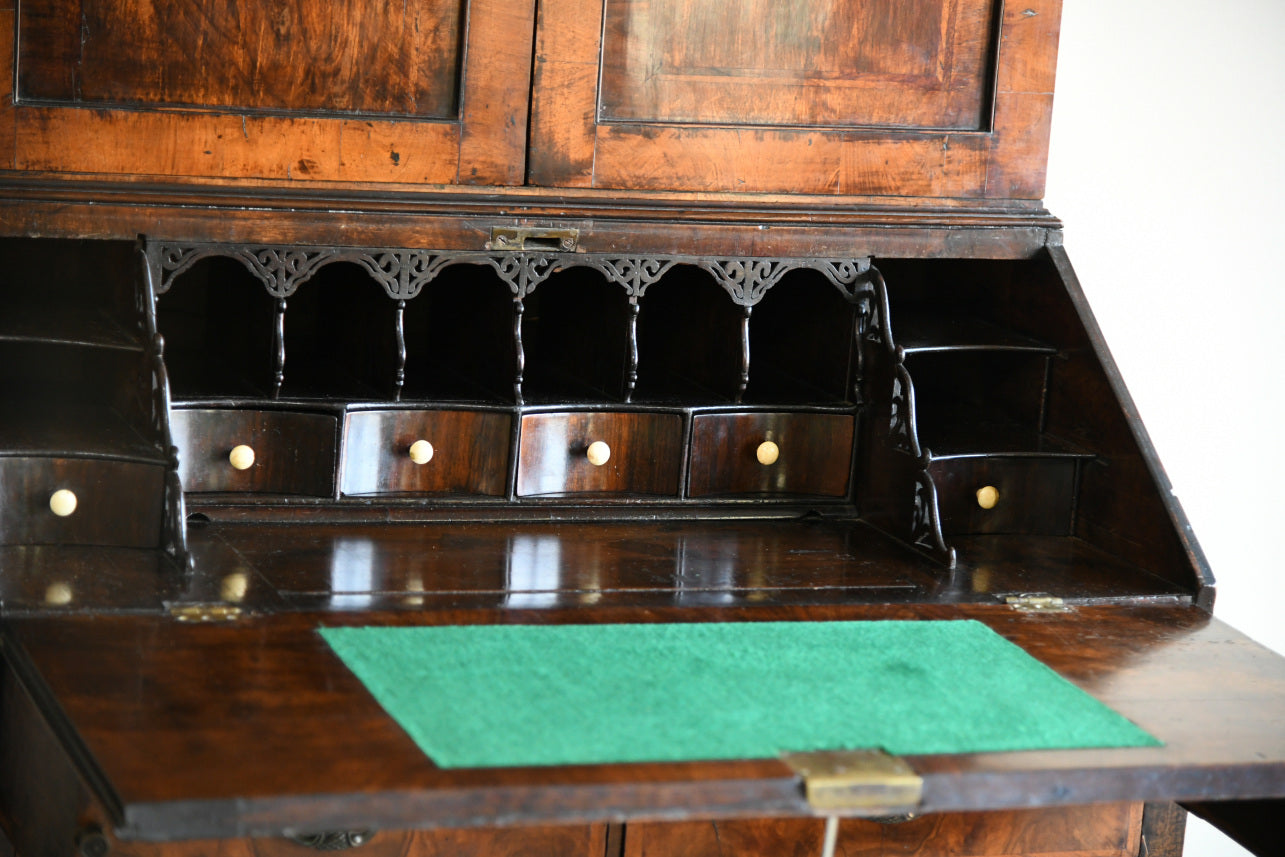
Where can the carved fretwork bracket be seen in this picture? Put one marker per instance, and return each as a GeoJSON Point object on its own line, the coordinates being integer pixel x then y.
{"type": "Point", "coordinates": [908, 496]}
{"type": "Point", "coordinates": [925, 527]}
{"type": "Point", "coordinates": [404, 272]}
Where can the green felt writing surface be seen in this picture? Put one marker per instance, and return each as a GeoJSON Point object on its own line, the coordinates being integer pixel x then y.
{"type": "Point", "coordinates": [511, 695]}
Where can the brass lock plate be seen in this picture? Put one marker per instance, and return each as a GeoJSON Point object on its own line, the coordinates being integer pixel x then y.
{"type": "Point", "coordinates": [549, 240]}
{"type": "Point", "coordinates": [861, 782]}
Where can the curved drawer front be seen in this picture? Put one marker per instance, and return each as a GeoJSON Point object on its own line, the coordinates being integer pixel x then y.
{"type": "Point", "coordinates": [98, 503]}
{"type": "Point", "coordinates": [644, 454]}
{"type": "Point", "coordinates": [1030, 495]}
{"type": "Point", "coordinates": [766, 453]}
{"type": "Point", "coordinates": [293, 453]}
{"type": "Point", "coordinates": [425, 452]}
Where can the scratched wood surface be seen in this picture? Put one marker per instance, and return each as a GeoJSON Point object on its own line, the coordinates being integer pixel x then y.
{"type": "Point", "coordinates": [916, 64]}
{"type": "Point", "coordinates": [250, 723]}
{"type": "Point", "coordinates": [838, 100]}
{"type": "Point", "coordinates": [371, 56]}
{"type": "Point", "coordinates": [374, 92]}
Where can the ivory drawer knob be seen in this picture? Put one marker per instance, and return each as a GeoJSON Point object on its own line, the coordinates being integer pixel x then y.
{"type": "Point", "coordinates": [58, 594]}
{"type": "Point", "coordinates": [598, 453]}
{"type": "Point", "coordinates": [241, 457]}
{"type": "Point", "coordinates": [767, 453]}
{"type": "Point", "coordinates": [62, 502]}
{"type": "Point", "coordinates": [421, 452]}
{"type": "Point", "coordinates": [987, 496]}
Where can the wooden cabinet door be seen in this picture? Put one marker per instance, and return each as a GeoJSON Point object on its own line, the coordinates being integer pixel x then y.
{"type": "Point", "coordinates": [422, 91]}
{"type": "Point", "coordinates": [934, 98]}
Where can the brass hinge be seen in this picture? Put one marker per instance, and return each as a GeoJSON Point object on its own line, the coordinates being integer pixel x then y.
{"type": "Point", "coordinates": [533, 238]}
{"type": "Point", "coordinates": [861, 782]}
{"type": "Point", "coordinates": [197, 613]}
{"type": "Point", "coordinates": [1037, 602]}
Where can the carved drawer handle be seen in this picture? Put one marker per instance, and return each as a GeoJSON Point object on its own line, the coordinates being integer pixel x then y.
{"type": "Point", "coordinates": [598, 453]}
{"type": "Point", "coordinates": [421, 452]}
{"type": "Point", "coordinates": [767, 453]}
{"type": "Point", "coordinates": [987, 496]}
{"type": "Point", "coordinates": [62, 502]}
{"type": "Point", "coordinates": [241, 457]}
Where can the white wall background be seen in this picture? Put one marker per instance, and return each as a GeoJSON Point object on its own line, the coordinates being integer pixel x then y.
{"type": "Point", "coordinates": [1167, 166]}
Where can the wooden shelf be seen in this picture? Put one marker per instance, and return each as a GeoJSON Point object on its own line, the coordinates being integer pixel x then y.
{"type": "Point", "coordinates": [71, 324]}
{"type": "Point", "coordinates": [72, 430]}
{"type": "Point", "coordinates": [920, 333]}
{"type": "Point", "coordinates": [974, 440]}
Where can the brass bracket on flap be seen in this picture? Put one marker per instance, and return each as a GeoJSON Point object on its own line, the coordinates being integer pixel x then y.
{"type": "Point", "coordinates": [1036, 602]}
{"type": "Point", "coordinates": [861, 782]}
{"type": "Point", "coordinates": [205, 613]}
{"type": "Point", "coordinates": [548, 240]}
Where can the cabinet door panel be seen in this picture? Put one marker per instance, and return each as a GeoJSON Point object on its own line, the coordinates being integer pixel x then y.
{"type": "Point", "coordinates": [914, 64]}
{"type": "Point", "coordinates": [371, 56]}
{"type": "Point", "coordinates": [928, 98]}
{"type": "Point", "coordinates": [371, 91]}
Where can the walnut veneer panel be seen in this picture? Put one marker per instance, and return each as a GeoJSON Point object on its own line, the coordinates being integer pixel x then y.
{"type": "Point", "coordinates": [755, 98]}
{"type": "Point", "coordinates": [373, 56]}
{"type": "Point", "coordinates": [371, 92]}
{"type": "Point", "coordinates": [917, 64]}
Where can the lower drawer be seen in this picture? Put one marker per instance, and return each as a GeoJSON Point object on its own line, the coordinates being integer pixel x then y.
{"type": "Point", "coordinates": [425, 452]}
{"type": "Point", "coordinates": [1108, 830]}
{"type": "Point", "coordinates": [278, 452]}
{"type": "Point", "coordinates": [1005, 495]}
{"type": "Point", "coordinates": [562, 453]}
{"type": "Point", "coordinates": [766, 453]}
{"type": "Point", "coordinates": [113, 503]}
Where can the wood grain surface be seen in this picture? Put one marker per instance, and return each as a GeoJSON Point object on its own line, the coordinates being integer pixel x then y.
{"type": "Point", "coordinates": [294, 453]}
{"type": "Point", "coordinates": [815, 454]}
{"type": "Point", "coordinates": [470, 452]}
{"type": "Point", "coordinates": [646, 454]}
{"type": "Point", "coordinates": [256, 720]}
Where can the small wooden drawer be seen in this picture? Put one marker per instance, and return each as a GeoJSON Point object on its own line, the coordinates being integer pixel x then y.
{"type": "Point", "coordinates": [644, 454]}
{"type": "Point", "coordinates": [765, 453]}
{"type": "Point", "coordinates": [292, 453]}
{"type": "Point", "coordinates": [425, 452]}
{"type": "Point", "coordinates": [99, 502]}
{"type": "Point", "coordinates": [1025, 495]}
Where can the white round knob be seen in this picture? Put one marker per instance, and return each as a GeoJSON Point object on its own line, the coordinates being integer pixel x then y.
{"type": "Point", "coordinates": [62, 502]}
{"type": "Point", "coordinates": [234, 586]}
{"type": "Point", "coordinates": [598, 453]}
{"type": "Point", "coordinates": [241, 457]}
{"type": "Point", "coordinates": [987, 496]}
{"type": "Point", "coordinates": [767, 453]}
{"type": "Point", "coordinates": [58, 594]}
{"type": "Point", "coordinates": [421, 452]}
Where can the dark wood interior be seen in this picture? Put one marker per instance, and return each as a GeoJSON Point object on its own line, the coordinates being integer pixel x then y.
{"type": "Point", "coordinates": [584, 311]}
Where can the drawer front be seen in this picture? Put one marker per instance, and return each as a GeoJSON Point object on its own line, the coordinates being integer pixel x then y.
{"type": "Point", "coordinates": [1031, 495]}
{"type": "Point", "coordinates": [806, 454]}
{"type": "Point", "coordinates": [294, 453]}
{"type": "Point", "coordinates": [644, 454]}
{"type": "Point", "coordinates": [115, 502]}
{"type": "Point", "coordinates": [1107, 830]}
{"type": "Point", "coordinates": [458, 452]}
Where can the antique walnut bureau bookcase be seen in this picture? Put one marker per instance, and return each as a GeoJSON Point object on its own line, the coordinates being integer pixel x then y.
{"type": "Point", "coordinates": [563, 312]}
